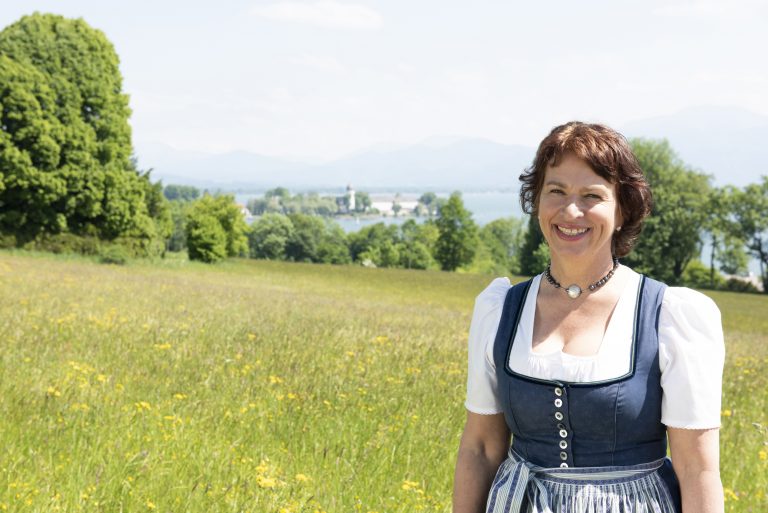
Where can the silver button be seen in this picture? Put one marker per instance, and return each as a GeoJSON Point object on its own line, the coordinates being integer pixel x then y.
{"type": "Point", "coordinates": [559, 415]}
{"type": "Point", "coordinates": [563, 455]}
{"type": "Point", "coordinates": [558, 392]}
{"type": "Point", "coordinates": [563, 444]}
{"type": "Point", "coordinates": [558, 402]}
{"type": "Point", "coordinates": [563, 465]}
{"type": "Point", "coordinates": [563, 433]}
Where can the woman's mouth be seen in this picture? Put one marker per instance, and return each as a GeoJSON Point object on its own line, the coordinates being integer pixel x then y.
{"type": "Point", "coordinates": [570, 233]}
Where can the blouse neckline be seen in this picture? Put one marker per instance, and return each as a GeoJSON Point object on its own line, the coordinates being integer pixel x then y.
{"type": "Point", "coordinates": [613, 360]}
{"type": "Point", "coordinates": [622, 311]}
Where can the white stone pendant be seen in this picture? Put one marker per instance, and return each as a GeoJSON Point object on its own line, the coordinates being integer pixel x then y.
{"type": "Point", "coordinates": [573, 291]}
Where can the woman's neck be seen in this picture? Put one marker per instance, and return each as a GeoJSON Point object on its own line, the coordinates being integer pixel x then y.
{"type": "Point", "coordinates": [568, 272]}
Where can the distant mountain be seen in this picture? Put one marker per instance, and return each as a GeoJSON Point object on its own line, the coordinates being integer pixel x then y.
{"type": "Point", "coordinates": [462, 163]}
{"type": "Point", "coordinates": [728, 143]}
{"type": "Point", "coordinates": [226, 170]}
{"type": "Point", "coordinates": [458, 163]}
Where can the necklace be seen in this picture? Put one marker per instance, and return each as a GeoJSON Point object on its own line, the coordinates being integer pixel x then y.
{"type": "Point", "coordinates": [574, 290]}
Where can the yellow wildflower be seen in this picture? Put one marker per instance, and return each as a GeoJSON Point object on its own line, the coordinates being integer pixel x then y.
{"type": "Point", "coordinates": [266, 482]}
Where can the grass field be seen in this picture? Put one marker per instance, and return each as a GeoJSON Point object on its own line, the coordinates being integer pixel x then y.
{"type": "Point", "coordinates": [269, 387]}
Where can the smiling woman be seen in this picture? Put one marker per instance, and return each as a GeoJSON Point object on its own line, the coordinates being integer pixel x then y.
{"type": "Point", "coordinates": [590, 383]}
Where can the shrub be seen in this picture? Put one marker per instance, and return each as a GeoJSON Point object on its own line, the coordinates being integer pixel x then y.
{"type": "Point", "coordinates": [114, 254]}
{"type": "Point", "coordinates": [698, 276]}
{"type": "Point", "coordinates": [738, 285]}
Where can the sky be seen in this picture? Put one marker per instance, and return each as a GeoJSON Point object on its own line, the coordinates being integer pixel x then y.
{"type": "Point", "coordinates": [313, 80]}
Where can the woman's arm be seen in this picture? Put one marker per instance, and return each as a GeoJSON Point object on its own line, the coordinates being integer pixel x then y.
{"type": "Point", "coordinates": [696, 460]}
{"type": "Point", "coordinates": [483, 447]}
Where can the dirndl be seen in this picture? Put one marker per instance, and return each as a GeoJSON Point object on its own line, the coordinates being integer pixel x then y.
{"type": "Point", "coordinates": [522, 487]}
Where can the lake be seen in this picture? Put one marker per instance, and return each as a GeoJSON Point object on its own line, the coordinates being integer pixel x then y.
{"type": "Point", "coordinates": [485, 207]}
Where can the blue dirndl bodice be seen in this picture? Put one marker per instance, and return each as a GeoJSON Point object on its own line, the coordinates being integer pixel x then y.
{"type": "Point", "coordinates": [564, 430]}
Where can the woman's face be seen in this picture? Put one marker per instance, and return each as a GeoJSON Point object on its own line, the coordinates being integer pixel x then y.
{"type": "Point", "coordinates": [578, 211]}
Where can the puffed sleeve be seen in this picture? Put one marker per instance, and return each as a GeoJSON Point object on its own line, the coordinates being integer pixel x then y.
{"type": "Point", "coordinates": [481, 377]}
{"type": "Point", "coordinates": [691, 355]}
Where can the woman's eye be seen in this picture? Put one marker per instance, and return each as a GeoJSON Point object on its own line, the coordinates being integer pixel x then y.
{"type": "Point", "coordinates": [594, 196]}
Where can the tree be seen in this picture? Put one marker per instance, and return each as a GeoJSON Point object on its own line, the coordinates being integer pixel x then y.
{"type": "Point", "coordinates": [314, 240]}
{"type": "Point", "coordinates": [203, 238]}
{"type": "Point", "coordinates": [457, 237]}
{"type": "Point", "coordinates": [504, 240]}
{"type": "Point", "coordinates": [429, 200]}
{"type": "Point", "coordinates": [269, 236]}
{"type": "Point", "coordinates": [159, 210]}
{"type": "Point", "coordinates": [206, 240]}
{"type": "Point", "coordinates": [278, 192]}
{"type": "Point", "coordinates": [174, 192]}
{"type": "Point", "coordinates": [65, 143]}
{"type": "Point", "coordinates": [671, 235]}
{"type": "Point", "coordinates": [414, 254]}
{"type": "Point", "coordinates": [727, 246]}
{"type": "Point", "coordinates": [179, 213]}
{"type": "Point", "coordinates": [751, 214]}
{"type": "Point", "coordinates": [362, 202]}
{"type": "Point", "coordinates": [303, 244]}
{"type": "Point", "coordinates": [534, 253]}
{"type": "Point", "coordinates": [333, 245]}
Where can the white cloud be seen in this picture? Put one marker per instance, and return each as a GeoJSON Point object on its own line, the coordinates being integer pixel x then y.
{"type": "Point", "coordinates": [322, 13]}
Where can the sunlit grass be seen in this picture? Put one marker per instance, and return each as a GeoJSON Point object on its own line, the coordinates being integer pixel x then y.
{"type": "Point", "coordinates": [267, 387]}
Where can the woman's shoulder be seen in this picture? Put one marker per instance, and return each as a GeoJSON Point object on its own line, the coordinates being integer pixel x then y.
{"type": "Point", "coordinates": [689, 318]}
{"type": "Point", "coordinates": [493, 295]}
{"type": "Point", "coordinates": [689, 301]}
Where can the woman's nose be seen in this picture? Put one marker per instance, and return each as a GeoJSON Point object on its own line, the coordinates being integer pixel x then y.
{"type": "Point", "coordinates": [572, 208]}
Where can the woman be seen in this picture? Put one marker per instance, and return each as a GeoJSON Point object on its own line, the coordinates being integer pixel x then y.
{"type": "Point", "coordinates": [590, 367]}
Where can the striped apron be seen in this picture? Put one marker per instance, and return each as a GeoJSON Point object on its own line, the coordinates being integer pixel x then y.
{"type": "Point", "coordinates": [523, 487]}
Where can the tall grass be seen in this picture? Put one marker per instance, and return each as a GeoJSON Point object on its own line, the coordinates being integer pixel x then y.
{"type": "Point", "coordinates": [267, 387]}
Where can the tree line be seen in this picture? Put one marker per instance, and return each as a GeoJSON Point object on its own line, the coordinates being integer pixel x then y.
{"type": "Point", "coordinates": [68, 182]}
{"type": "Point", "coordinates": [687, 211]}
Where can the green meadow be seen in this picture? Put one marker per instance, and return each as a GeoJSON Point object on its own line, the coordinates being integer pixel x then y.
{"type": "Point", "coordinates": [255, 386]}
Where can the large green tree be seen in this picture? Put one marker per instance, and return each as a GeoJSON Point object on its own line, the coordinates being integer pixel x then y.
{"type": "Point", "coordinates": [751, 214]}
{"type": "Point", "coordinates": [457, 239]}
{"type": "Point", "coordinates": [671, 236]}
{"type": "Point", "coordinates": [65, 141]}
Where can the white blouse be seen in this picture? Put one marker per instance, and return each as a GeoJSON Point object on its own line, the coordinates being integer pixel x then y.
{"type": "Point", "coordinates": [691, 352]}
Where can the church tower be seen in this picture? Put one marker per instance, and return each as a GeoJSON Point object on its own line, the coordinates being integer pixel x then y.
{"type": "Point", "coordinates": [351, 198]}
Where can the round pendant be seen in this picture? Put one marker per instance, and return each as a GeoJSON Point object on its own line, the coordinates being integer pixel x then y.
{"type": "Point", "coordinates": [573, 291]}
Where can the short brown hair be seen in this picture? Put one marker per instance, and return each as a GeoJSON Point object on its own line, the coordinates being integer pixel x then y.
{"type": "Point", "coordinates": [609, 155]}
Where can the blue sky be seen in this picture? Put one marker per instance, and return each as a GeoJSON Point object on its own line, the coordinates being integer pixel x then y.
{"type": "Point", "coordinates": [314, 80]}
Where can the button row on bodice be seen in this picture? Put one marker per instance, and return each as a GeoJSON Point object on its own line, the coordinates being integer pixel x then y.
{"type": "Point", "coordinates": [562, 431]}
